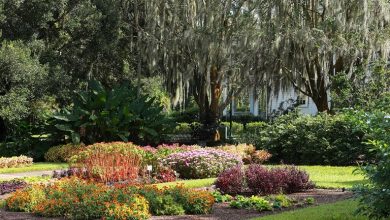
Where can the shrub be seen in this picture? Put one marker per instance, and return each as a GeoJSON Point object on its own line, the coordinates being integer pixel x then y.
{"type": "Point", "coordinates": [374, 197]}
{"type": "Point", "coordinates": [108, 162]}
{"type": "Point", "coordinates": [11, 186]}
{"type": "Point", "coordinates": [245, 151]}
{"type": "Point", "coordinates": [231, 181]}
{"type": "Point", "coordinates": [296, 180]}
{"type": "Point", "coordinates": [192, 201]}
{"type": "Point", "coordinates": [20, 161]}
{"type": "Point", "coordinates": [255, 127]}
{"type": "Point", "coordinates": [202, 163]}
{"type": "Point", "coordinates": [62, 153]}
{"type": "Point", "coordinates": [263, 181]}
{"type": "Point", "coordinates": [119, 114]}
{"type": "Point", "coordinates": [152, 156]}
{"type": "Point", "coordinates": [199, 202]}
{"type": "Point", "coordinates": [237, 128]}
{"type": "Point", "coordinates": [137, 209]}
{"type": "Point", "coordinates": [182, 128]}
{"type": "Point", "coordinates": [166, 205]}
{"type": "Point", "coordinates": [24, 200]}
{"type": "Point", "coordinates": [320, 140]}
{"type": "Point", "coordinates": [260, 156]}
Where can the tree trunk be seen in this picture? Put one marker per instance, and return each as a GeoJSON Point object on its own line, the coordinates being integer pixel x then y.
{"type": "Point", "coordinates": [321, 102]}
{"type": "Point", "coordinates": [209, 109]}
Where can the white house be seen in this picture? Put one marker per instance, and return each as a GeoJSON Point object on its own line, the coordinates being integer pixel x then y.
{"type": "Point", "coordinates": [276, 102]}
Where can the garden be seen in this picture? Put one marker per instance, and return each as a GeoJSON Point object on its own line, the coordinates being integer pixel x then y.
{"type": "Point", "coordinates": [165, 110]}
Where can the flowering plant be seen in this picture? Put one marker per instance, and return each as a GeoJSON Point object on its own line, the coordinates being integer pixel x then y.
{"type": "Point", "coordinates": [21, 161]}
{"type": "Point", "coordinates": [201, 163]}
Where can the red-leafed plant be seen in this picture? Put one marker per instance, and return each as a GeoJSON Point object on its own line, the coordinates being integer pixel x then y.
{"type": "Point", "coordinates": [231, 181]}
{"type": "Point", "coordinates": [165, 174]}
{"type": "Point", "coordinates": [296, 180]}
{"type": "Point", "coordinates": [263, 181]}
{"type": "Point", "coordinates": [108, 162]}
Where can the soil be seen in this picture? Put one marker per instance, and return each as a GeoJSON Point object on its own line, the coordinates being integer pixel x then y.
{"type": "Point", "coordinates": [221, 211]}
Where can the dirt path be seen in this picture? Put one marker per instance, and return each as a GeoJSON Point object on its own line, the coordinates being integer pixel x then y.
{"type": "Point", "coordinates": [221, 211]}
{"type": "Point", "coordinates": [26, 174]}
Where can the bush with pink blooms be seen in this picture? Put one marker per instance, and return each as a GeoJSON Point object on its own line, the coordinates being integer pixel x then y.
{"type": "Point", "coordinates": [201, 163]}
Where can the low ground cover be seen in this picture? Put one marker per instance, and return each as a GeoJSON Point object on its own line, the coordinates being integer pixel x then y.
{"type": "Point", "coordinates": [35, 167]}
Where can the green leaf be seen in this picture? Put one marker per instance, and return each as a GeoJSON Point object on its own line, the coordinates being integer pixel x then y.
{"type": "Point", "coordinates": [75, 137]}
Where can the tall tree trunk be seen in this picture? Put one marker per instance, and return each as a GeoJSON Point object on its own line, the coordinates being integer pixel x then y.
{"type": "Point", "coordinates": [214, 110]}
{"type": "Point", "coordinates": [321, 103]}
{"type": "Point", "coordinates": [209, 109]}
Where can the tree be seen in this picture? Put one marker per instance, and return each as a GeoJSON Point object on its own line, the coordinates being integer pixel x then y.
{"type": "Point", "coordinates": [314, 40]}
{"type": "Point", "coordinates": [22, 82]}
{"type": "Point", "coordinates": [83, 40]}
{"type": "Point", "coordinates": [200, 46]}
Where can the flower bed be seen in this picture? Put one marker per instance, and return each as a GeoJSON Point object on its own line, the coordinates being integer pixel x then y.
{"type": "Point", "coordinates": [75, 198]}
{"type": "Point", "coordinates": [20, 161]}
{"type": "Point", "coordinates": [202, 163]}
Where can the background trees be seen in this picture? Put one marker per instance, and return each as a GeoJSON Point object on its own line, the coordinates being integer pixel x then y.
{"type": "Point", "coordinates": [316, 40]}
{"type": "Point", "coordinates": [200, 45]}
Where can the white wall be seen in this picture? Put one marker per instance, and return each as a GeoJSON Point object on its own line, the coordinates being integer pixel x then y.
{"type": "Point", "coordinates": [275, 100]}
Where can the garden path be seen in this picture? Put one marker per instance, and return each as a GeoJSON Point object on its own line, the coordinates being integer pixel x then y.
{"type": "Point", "coordinates": [26, 174]}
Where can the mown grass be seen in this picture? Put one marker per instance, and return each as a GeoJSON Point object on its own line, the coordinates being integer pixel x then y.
{"type": "Point", "coordinates": [35, 167]}
{"type": "Point", "coordinates": [342, 210]}
{"type": "Point", "coordinates": [333, 177]}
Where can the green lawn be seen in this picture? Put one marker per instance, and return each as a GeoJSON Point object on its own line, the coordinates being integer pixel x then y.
{"type": "Point", "coordinates": [333, 177]}
{"type": "Point", "coordinates": [35, 167]}
{"type": "Point", "coordinates": [342, 210]}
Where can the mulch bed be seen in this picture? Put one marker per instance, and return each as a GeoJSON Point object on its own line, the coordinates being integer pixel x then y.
{"type": "Point", "coordinates": [221, 211]}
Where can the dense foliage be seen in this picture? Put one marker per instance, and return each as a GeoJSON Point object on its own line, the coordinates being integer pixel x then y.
{"type": "Point", "coordinates": [62, 153]}
{"type": "Point", "coordinates": [374, 196]}
{"type": "Point", "coordinates": [321, 140]}
{"type": "Point", "coordinates": [231, 181]}
{"type": "Point", "coordinates": [202, 163]}
{"type": "Point", "coordinates": [99, 115]}
{"type": "Point", "coordinates": [262, 180]}
{"type": "Point", "coordinates": [98, 160]}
